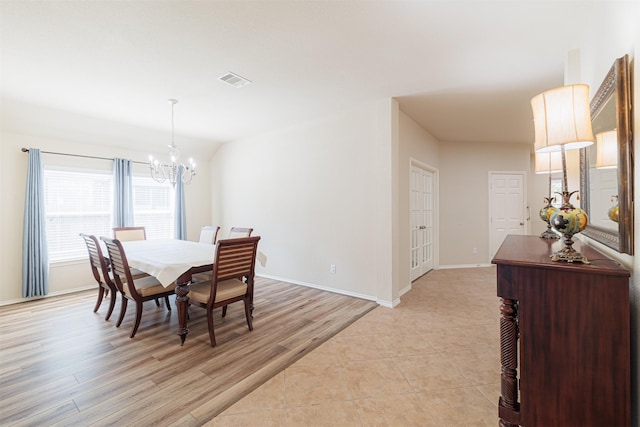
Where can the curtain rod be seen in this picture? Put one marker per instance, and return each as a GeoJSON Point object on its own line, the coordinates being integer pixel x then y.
{"type": "Point", "coordinates": [26, 150]}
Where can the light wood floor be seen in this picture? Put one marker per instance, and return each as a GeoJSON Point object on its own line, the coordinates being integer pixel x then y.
{"type": "Point", "coordinates": [62, 364]}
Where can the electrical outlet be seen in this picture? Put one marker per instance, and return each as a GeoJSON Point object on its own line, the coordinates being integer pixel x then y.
{"type": "Point", "coordinates": [475, 250]}
{"type": "Point", "coordinates": [333, 268]}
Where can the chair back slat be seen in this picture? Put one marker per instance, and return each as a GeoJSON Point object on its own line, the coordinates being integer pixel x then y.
{"type": "Point", "coordinates": [119, 264]}
{"type": "Point", "coordinates": [93, 247]}
{"type": "Point", "coordinates": [235, 258]}
{"type": "Point", "coordinates": [96, 259]}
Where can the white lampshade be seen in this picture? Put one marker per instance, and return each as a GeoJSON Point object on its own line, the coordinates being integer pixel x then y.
{"type": "Point", "coordinates": [549, 162]}
{"type": "Point", "coordinates": [562, 118]}
{"type": "Point", "coordinates": [607, 150]}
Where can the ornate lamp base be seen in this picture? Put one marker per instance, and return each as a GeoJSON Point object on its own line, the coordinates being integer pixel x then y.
{"type": "Point", "coordinates": [568, 220]}
{"type": "Point", "coordinates": [545, 215]}
{"type": "Point", "coordinates": [567, 253]}
{"type": "Point", "coordinates": [549, 234]}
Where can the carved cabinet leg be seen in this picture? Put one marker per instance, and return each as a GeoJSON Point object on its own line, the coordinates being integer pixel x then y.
{"type": "Point", "coordinates": [509, 407]}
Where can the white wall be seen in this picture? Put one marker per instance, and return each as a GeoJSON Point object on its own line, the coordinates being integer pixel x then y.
{"type": "Point", "coordinates": [318, 194]}
{"type": "Point", "coordinates": [68, 276]}
{"type": "Point", "coordinates": [464, 196]}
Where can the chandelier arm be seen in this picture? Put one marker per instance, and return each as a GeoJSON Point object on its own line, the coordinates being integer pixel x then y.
{"type": "Point", "coordinates": [157, 172]}
{"type": "Point", "coordinates": [187, 175]}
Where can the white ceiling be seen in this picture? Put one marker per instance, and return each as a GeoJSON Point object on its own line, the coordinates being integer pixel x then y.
{"type": "Point", "coordinates": [464, 70]}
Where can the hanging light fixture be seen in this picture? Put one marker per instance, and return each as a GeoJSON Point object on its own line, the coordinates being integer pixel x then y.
{"type": "Point", "coordinates": [161, 171]}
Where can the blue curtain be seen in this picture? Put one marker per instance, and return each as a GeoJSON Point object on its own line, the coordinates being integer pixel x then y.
{"type": "Point", "coordinates": [35, 259]}
{"type": "Point", "coordinates": [180, 217]}
{"type": "Point", "coordinates": [122, 193]}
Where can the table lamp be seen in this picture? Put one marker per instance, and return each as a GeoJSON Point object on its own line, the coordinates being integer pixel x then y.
{"type": "Point", "coordinates": [562, 121]}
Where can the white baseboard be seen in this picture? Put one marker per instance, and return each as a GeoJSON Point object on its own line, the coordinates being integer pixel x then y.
{"type": "Point", "coordinates": [324, 288]}
{"type": "Point", "coordinates": [405, 290]}
{"type": "Point", "coordinates": [446, 267]}
{"type": "Point", "coordinates": [52, 294]}
{"type": "Point", "coordinates": [388, 304]}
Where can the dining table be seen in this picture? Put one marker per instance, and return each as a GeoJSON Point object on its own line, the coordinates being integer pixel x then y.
{"type": "Point", "coordinates": [172, 261]}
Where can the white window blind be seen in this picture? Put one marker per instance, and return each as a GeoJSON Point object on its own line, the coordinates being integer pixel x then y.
{"type": "Point", "coordinates": [81, 201]}
{"type": "Point", "coordinates": [153, 207]}
{"type": "Point", "coordinates": [76, 202]}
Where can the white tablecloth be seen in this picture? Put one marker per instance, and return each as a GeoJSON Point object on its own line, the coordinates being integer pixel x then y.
{"type": "Point", "coordinates": [167, 259]}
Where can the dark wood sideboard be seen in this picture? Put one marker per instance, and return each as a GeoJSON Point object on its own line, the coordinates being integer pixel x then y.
{"type": "Point", "coordinates": [568, 326]}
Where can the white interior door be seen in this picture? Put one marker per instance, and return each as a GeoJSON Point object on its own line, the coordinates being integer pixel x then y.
{"type": "Point", "coordinates": [422, 221]}
{"type": "Point", "coordinates": [507, 210]}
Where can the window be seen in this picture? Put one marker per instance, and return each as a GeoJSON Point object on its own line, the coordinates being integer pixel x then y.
{"type": "Point", "coordinates": [81, 201]}
{"type": "Point", "coordinates": [76, 202]}
{"type": "Point", "coordinates": [153, 207]}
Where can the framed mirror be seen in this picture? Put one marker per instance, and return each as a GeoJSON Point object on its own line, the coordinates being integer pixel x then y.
{"type": "Point", "coordinates": [606, 167]}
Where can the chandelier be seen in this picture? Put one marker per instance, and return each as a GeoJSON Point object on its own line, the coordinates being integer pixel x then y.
{"type": "Point", "coordinates": [161, 171]}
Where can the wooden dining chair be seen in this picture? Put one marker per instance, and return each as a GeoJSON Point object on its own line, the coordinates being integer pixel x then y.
{"type": "Point", "coordinates": [138, 290]}
{"type": "Point", "coordinates": [231, 280]}
{"type": "Point", "coordinates": [102, 274]}
{"type": "Point", "coordinates": [234, 233]}
{"type": "Point", "coordinates": [209, 234]}
{"type": "Point", "coordinates": [237, 232]}
{"type": "Point", "coordinates": [129, 234]}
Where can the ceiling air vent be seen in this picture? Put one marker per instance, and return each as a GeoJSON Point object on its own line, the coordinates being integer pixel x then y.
{"type": "Point", "coordinates": [234, 80]}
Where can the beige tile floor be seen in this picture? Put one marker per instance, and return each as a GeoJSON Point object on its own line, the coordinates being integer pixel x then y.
{"type": "Point", "coordinates": [431, 361]}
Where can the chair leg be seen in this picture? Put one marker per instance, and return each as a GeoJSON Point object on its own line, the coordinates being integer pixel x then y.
{"type": "Point", "coordinates": [157, 303]}
{"type": "Point", "coordinates": [112, 304]}
{"type": "Point", "coordinates": [123, 310]}
{"type": "Point", "coordinates": [212, 335]}
{"type": "Point", "coordinates": [224, 311]}
{"type": "Point", "coordinates": [247, 313]}
{"type": "Point", "coordinates": [138, 317]}
{"type": "Point", "coordinates": [166, 302]}
{"type": "Point", "coordinates": [100, 296]}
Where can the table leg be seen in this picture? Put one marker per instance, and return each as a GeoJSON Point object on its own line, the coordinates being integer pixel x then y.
{"type": "Point", "coordinates": [182, 302]}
